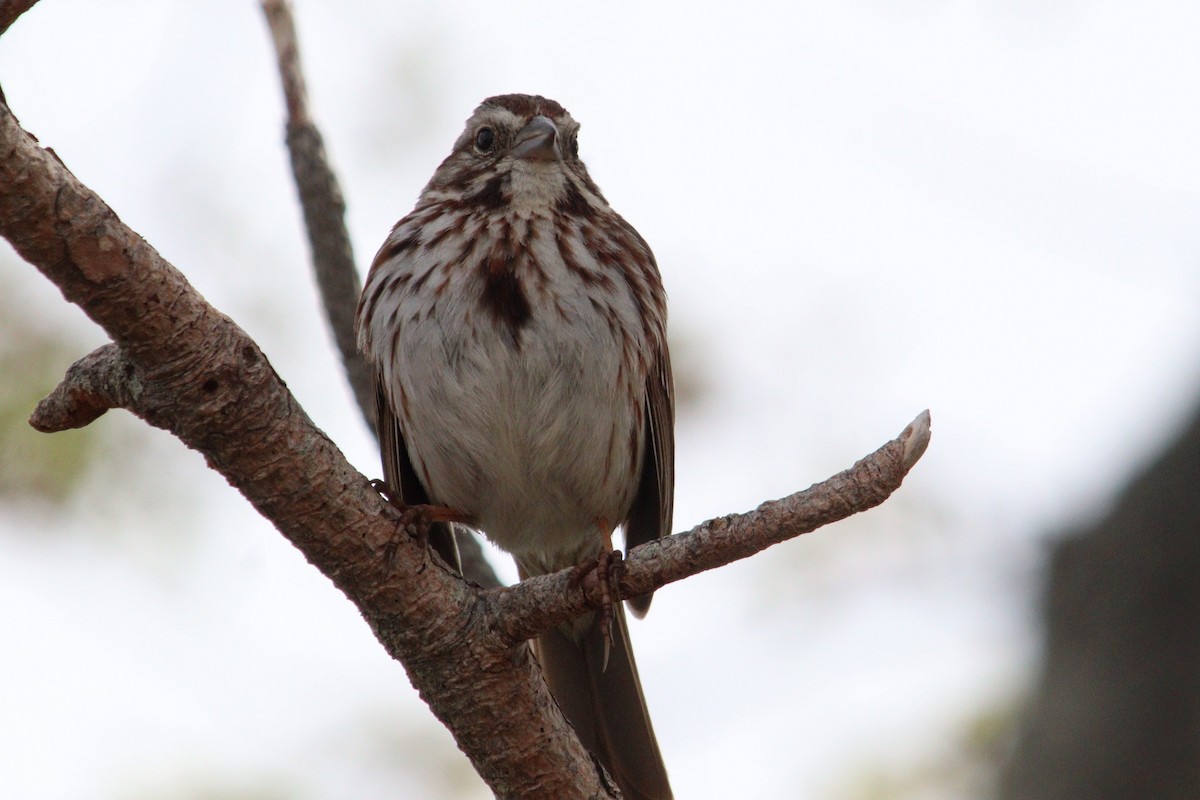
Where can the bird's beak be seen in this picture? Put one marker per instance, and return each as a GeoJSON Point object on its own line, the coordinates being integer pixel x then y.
{"type": "Point", "coordinates": [537, 141]}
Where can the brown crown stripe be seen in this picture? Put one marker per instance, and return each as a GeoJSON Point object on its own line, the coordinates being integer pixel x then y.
{"type": "Point", "coordinates": [526, 105]}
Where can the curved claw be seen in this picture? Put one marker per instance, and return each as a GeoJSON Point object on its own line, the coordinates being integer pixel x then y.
{"type": "Point", "coordinates": [608, 565]}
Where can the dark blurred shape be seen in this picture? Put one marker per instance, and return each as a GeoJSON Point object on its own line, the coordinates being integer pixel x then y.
{"type": "Point", "coordinates": [1116, 712]}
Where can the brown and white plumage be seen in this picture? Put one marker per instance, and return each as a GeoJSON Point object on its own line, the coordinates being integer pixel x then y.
{"type": "Point", "coordinates": [517, 325]}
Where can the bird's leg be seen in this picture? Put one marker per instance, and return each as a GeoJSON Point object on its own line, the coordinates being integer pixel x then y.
{"type": "Point", "coordinates": [608, 565]}
{"type": "Point", "coordinates": [416, 519]}
{"type": "Point", "coordinates": [432, 513]}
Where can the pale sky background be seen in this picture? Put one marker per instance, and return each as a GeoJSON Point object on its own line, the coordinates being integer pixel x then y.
{"type": "Point", "coordinates": [860, 210]}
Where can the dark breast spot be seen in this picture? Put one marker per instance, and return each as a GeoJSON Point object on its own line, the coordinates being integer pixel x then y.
{"type": "Point", "coordinates": [504, 296]}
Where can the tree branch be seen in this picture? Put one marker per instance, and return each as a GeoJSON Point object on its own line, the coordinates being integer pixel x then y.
{"type": "Point", "coordinates": [10, 10]}
{"type": "Point", "coordinates": [538, 604]}
{"type": "Point", "coordinates": [324, 208]}
{"type": "Point", "coordinates": [332, 253]}
{"type": "Point", "coordinates": [99, 381]}
{"type": "Point", "coordinates": [202, 378]}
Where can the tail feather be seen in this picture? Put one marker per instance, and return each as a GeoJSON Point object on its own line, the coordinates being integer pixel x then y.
{"type": "Point", "coordinates": [605, 704]}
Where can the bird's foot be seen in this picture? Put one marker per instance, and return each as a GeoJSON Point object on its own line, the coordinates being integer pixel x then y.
{"type": "Point", "coordinates": [416, 519]}
{"type": "Point", "coordinates": [608, 566]}
{"type": "Point", "coordinates": [425, 512]}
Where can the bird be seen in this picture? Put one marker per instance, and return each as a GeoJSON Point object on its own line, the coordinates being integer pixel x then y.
{"type": "Point", "coordinates": [516, 328]}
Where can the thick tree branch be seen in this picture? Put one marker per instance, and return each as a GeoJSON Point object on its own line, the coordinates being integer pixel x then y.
{"type": "Point", "coordinates": [332, 253]}
{"type": "Point", "coordinates": [538, 604]}
{"type": "Point", "coordinates": [10, 10]}
{"type": "Point", "coordinates": [201, 377]}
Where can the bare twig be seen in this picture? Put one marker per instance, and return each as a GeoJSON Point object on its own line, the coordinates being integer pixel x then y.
{"type": "Point", "coordinates": [538, 604]}
{"type": "Point", "coordinates": [287, 53]}
{"type": "Point", "coordinates": [10, 10]}
{"type": "Point", "coordinates": [99, 381]}
{"type": "Point", "coordinates": [324, 208]}
{"type": "Point", "coordinates": [332, 255]}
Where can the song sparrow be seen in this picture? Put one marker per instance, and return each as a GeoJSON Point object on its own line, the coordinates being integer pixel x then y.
{"type": "Point", "coordinates": [517, 326]}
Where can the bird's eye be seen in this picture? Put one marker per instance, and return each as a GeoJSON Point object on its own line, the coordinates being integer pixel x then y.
{"type": "Point", "coordinates": [485, 140]}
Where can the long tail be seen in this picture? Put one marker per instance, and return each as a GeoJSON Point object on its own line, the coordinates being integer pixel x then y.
{"type": "Point", "coordinates": [605, 704]}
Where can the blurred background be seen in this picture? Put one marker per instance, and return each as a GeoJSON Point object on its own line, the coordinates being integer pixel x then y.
{"type": "Point", "coordinates": [860, 210]}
